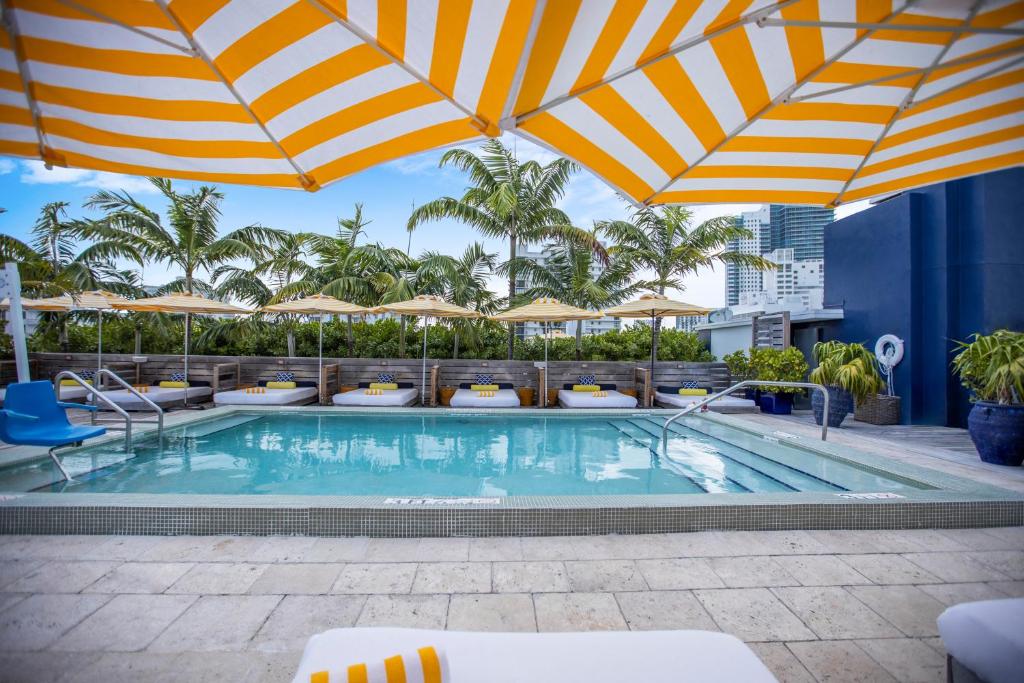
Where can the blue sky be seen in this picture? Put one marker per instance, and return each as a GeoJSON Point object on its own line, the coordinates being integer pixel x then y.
{"type": "Point", "coordinates": [387, 193]}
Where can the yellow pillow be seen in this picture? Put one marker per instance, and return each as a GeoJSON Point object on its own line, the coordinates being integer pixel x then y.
{"type": "Point", "coordinates": [586, 387]}
{"type": "Point", "coordinates": [173, 385]}
{"type": "Point", "coordinates": [693, 392]}
{"type": "Point", "coordinates": [383, 385]}
{"type": "Point", "coordinates": [72, 383]}
{"type": "Point", "coordinates": [280, 385]}
{"type": "Point", "coordinates": [483, 387]}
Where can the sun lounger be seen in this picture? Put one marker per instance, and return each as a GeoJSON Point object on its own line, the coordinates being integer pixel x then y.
{"type": "Point", "coordinates": [165, 397]}
{"type": "Point", "coordinates": [594, 657]}
{"type": "Point", "coordinates": [304, 393]}
{"type": "Point", "coordinates": [984, 640]}
{"type": "Point", "coordinates": [607, 397]}
{"type": "Point", "coordinates": [504, 396]}
{"type": "Point", "coordinates": [669, 397]}
{"type": "Point", "coordinates": [404, 395]}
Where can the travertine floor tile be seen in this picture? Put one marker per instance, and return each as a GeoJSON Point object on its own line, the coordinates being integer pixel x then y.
{"type": "Point", "coordinates": [407, 611]}
{"type": "Point", "coordinates": [839, 661]}
{"type": "Point", "coordinates": [392, 550]}
{"type": "Point", "coordinates": [218, 578]}
{"type": "Point", "coordinates": [908, 608]}
{"type": "Point", "coordinates": [782, 662]}
{"type": "Point", "coordinates": [832, 613]}
{"type": "Point", "coordinates": [679, 574]}
{"type": "Point", "coordinates": [530, 577]}
{"type": "Point", "coordinates": [1009, 562]}
{"type": "Point", "coordinates": [452, 577]}
{"type": "Point", "coordinates": [385, 577]}
{"type": "Point", "coordinates": [907, 659]}
{"type": "Point", "coordinates": [578, 612]}
{"type": "Point", "coordinates": [444, 549]}
{"type": "Point", "coordinates": [547, 548]}
{"type": "Point", "coordinates": [351, 549]}
{"type": "Point", "coordinates": [594, 576]}
{"type": "Point", "coordinates": [39, 620]}
{"type": "Point", "coordinates": [140, 577]}
{"type": "Point", "coordinates": [12, 570]}
{"type": "Point", "coordinates": [60, 577]}
{"type": "Point", "coordinates": [127, 623]}
{"type": "Point", "coordinates": [495, 549]}
{"type": "Point", "coordinates": [502, 613]}
{"type": "Point", "coordinates": [889, 569]}
{"type": "Point", "coordinates": [313, 578]}
{"type": "Point", "coordinates": [956, 567]}
{"type": "Point", "coordinates": [954, 593]}
{"type": "Point", "coordinates": [297, 617]}
{"type": "Point", "coordinates": [751, 572]}
{"type": "Point", "coordinates": [821, 570]}
{"type": "Point", "coordinates": [217, 622]}
{"type": "Point", "coordinates": [664, 610]}
{"type": "Point", "coordinates": [752, 614]}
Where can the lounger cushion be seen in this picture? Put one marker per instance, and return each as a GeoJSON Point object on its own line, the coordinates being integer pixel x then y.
{"type": "Point", "coordinates": [192, 383]}
{"type": "Point", "coordinates": [501, 385]}
{"type": "Point", "coordinates": [674, 389]}
{"type": "Point", "coordinates": [603, 387]}
{"type": "Point", "coordinates": [467, 398]}
{"type": "Point", "coordinates": [568, 398]}
{"type": "Point", "coordinates": [387, 397]}
{"type": "Point", "coordinates": [596, 657]}
{"type": "Point", "coordinates": [987, 637]}
{"type": "Point", "coordinates": [401, 385]}
{"type": "Point", "coordinates": [723, 404]}
{"type": "Point", "coordinates": [157, 394]}
{"type": "Point", "coordinates": [272, 397]}
{"type": "Point", "coordinates": [298, 383]}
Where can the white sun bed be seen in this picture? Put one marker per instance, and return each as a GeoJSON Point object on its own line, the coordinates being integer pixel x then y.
{"type": "Point", "coordinates": [387, 398]}
{"type": "Point", "coordinates": [298, 396]}
{"type": "Point", "coordinates": [567, 398]}
{"type": "Point", "coordinates": [726, 404]}
{"type": "Point", "coordinates": [986, 639]}
{"type": "Point", "coordinates": [594, 657]}
{"type": "Point", "coordinates": [72, 393]}
{"type": "Point", "coordinates": [468, 398]}
{"type": "Point", "coordinates": [162, 396]}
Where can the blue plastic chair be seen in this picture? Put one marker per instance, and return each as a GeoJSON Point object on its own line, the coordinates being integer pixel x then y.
{"type": "Point", "coordinates": [32, 416]}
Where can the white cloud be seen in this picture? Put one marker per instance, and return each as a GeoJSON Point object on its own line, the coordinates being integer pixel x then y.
{"type": "Point", "coordinates": [35, 173]}
{"type": "Point", "coordinates": [7, 166]}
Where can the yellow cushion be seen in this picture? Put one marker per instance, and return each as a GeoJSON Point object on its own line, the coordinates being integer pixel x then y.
{"type": "Point", "coordinates": [693, 392]}
{"type": "Point", "coordinates": [486, 393]}
{"type": "Point", "coordinates": [383, 385]}
{"type": "Point", "coordinates": [586, 387]}
{"type": "Point", "coordinates": [373, 392]}
{"type": "Point", "coordinates": [173, 385]}
{"type": "Point", "coordinates": [280, 385]}
{"type": "Point", "coordinates": [72, 383]}
{"type": "Point", "coordinates": [483, 387]}
{"type": "Point", "coordinates": [427, 664]}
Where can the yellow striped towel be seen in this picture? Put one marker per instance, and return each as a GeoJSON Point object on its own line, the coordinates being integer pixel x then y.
{"type": "Point", "coordinates": [486, 394]}
{"type": "Point", "coordinates": [374, 392]}
{"type": "Point", "coordinates": [256, 390]}
{"type": "Point", "coordinates": [427, 664]}
{"type": "Point", "coordinates": [599, 394]}
{"type": "Point", "coordinates": [141, 388]}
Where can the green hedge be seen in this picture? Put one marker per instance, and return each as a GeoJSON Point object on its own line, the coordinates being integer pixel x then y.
{"type": "Point", "coordinates": [372, 340]}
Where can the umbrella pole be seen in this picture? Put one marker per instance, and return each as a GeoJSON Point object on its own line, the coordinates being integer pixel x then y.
{"type": "Point", "coordinates": [320, 364]}
{"type": "Point", "coordinates": [547, 327]}
{"type": "Point", "coordinates": [99, 347]}
{"type": "Point", "coordinates": [654, 353]}
{"type": "Point", "coordinates": [423, 378]}
{"type": "Point", "coordinates": [188, 330]}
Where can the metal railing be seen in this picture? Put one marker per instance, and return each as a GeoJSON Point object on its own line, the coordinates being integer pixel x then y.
{"type": "Point", "coordinates": [748, 383]}
{"type": "Point", "coordinates": [139, 395]}
{"type": "Point", "coordinates": [97, 394]}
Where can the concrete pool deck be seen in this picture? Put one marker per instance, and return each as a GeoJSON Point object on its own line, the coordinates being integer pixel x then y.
{"type": "Point", "coordinates": [814, 605]}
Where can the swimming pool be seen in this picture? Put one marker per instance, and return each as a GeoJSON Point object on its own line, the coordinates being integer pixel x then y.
{"type": "Point", "coordinates": [450, 455]}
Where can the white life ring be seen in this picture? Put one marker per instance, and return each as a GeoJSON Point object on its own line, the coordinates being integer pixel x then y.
{"type": "Point", "coordinates": [889, 350]}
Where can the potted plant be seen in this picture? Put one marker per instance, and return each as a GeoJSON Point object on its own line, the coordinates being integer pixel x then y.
{"type": "Point", "coordinates": [848, 372]}
{"type": "Point", "coordinates": [740, 370]}
{"type": "Point", "coordinates": [780, 365]}
{"type": "Point", "coordinates": [992, 368]}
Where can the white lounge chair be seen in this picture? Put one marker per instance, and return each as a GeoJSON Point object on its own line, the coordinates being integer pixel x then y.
{"type": "Point", "coordinates": [608, 397]}
{"type": "Point", "coordinates": [404, 395]}
{"type": "Point", "coordinates": [984, 641]}
{"type": "Point", "coordinates": [594, 657]}
{"type": "Point", "coordinates": [669, 397]}
{"type": "Point", "coordinates": [165, 397]}
{"type": "Point", "coordinates": [504, 397]}
{"type": "Point", "coordinates": [304, 393]}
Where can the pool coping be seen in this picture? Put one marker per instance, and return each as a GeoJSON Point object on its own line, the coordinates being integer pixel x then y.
{"type": "Point", "coordinates": [954, 501]}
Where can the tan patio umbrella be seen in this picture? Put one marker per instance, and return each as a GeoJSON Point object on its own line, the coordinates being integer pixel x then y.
{"type": "Point", "coordinates": [186, 303]}
{"type": "Point", "coordinates": [654, 306]}
{"type": "Point", "coordinates": [318, 305]}
{"type": "Point", "coordinates": [424, 306]}
{"type": "Point", "coordinates": [545, 310]}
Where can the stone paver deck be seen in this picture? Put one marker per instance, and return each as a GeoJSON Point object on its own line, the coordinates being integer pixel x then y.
{"type": "Point", "coordinates": [814, 605]}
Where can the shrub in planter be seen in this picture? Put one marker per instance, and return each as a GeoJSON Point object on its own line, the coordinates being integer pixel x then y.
{"type": "Point", "coordinates": [849, 374]}
{"type": "Point", "coordinates": [992, 368]}
{"type": "Point", "coordinates": [739, 370]}
{"type": "Point", "coordinates": [788, 365]}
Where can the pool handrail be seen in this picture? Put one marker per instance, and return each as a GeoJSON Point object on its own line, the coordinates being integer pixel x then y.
{"type": "Point", "coordinates": [96, 393]}
{"type": "Point", "coordinates": [139, 395]}
{"type": "Point", "coordinates": [749, 383]}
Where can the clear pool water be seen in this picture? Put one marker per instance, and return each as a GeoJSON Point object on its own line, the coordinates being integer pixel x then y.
{"type": "Point", "coordinates": [447, 455]}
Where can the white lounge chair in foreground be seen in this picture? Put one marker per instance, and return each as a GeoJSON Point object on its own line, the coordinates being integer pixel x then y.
{"type": "Point", "coordinates": [267, 393]}
{"type": "Point", "coordinates": [163, 396]}
{"type": "Point", "coordinates": [984, 641]}
{"type": "Point", "coordinates": [504, 396]}
{"type": "Point", "coordinates": [594, 657]}
{"type": "Point", "coordinates": [669, 397]}
{"type": "Point", "coordinates": [587, 394]}
{"type": "Point", "coordinates": [368, 394]}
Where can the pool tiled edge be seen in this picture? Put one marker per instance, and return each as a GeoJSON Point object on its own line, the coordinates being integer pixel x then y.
{"type": "Point", "coordinates": [953, 503]}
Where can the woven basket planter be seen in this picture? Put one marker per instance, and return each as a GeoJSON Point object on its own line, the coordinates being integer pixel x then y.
{"type": "Point", "coordinates": [878, 409]}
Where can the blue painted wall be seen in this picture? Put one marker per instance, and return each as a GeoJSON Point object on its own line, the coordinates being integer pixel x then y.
{"type": "Point", "coordinates": [931, 266]}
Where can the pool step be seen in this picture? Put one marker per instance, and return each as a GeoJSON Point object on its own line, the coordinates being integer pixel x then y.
{"type": "Point", "coordinates": [788, 475]}
{"type": "Point", "coordinates": [205, 429]}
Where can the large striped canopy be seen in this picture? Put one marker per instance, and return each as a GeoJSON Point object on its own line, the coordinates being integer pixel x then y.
{"type": "Point", "coordinates": [801, 101]}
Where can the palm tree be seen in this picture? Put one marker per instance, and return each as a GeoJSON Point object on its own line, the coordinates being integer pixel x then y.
{"type": "Point", "coordinates": [463, 282]}
{"type": "Point", "coordinates": [190, 240]}
{"type": "Point", "coordinates": [666, 242]}
{"type": "Point", "coordinates": [509, 201]}
{"type": "Point", "coordinates": [571, 275]}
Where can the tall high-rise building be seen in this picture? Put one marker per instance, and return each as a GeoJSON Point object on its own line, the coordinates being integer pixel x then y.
{"type": "Point", "coordinates": [740, 279]}
{"type": "Point", "coordinates": [800, 228]}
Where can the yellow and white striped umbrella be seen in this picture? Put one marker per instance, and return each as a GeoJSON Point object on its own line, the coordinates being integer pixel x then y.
{"type": "Point", "coordinates": [271, 92]}
{"type": "Point", "coordinates": [316, 304]}
{"type": "Point", "coordinates": [184, 302]}
{"type": "Point", "coordinates": [793, 101]}
{"type": "Point", "coordinates": [545, 310]}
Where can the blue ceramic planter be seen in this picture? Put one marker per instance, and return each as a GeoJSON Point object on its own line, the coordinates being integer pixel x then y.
{"type": "Point", "coordinates": [840, 403]}
{"type": "Point", "coordinates": [777, 404]}
{"type": "Point", "coordinates": [997, 432]}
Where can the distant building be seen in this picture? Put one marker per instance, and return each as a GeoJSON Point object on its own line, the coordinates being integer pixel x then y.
{"type": "Point", "coordinates": [740, 279]}
{"type": "Point", "coordinates": [802, 278]}
{"type": "Point", "coordinates": [524, 330]}
{"type": "Point", "coordinates": [688, 323]}
{"type": "Point", "coordinates": [800, 228]}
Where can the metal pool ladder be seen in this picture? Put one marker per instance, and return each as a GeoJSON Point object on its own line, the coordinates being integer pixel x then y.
{"type": "Point", "coordinates": [97, 395]}
{"type": "Point", "coordinates": [740, 385]}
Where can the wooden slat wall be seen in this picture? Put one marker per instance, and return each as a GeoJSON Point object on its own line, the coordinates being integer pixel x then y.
{"type": "Point", "coordinates": [355, 370]}
{"type": "Point", "coordinates": [771, 331]}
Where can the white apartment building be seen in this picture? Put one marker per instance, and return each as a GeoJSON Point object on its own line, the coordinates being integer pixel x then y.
{"type": "Point", "coordinates": [802, 279]}
{"type": "Point", "coordinates": [741, 279]}
{"type": "Point", "coordinates": [524, 330]}
{"type": "Point", "coordinates": [689, 323]}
